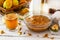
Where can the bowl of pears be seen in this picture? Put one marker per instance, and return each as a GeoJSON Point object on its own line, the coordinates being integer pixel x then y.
{"type": "Point", "coordinates": [7, 6]}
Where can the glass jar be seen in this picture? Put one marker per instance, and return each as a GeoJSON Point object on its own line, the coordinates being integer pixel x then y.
{"type": "Point", "coordinates": [11, 21]}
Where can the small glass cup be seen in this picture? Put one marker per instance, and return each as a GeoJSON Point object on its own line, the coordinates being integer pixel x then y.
{"type": "Point", "coordinates": [11, 21]}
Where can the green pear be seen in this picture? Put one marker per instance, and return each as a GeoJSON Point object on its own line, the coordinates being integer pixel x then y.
{"type": "Point", "coordinates": [7, 4]}
{"type": "Point", "coordinates": [15, 2]}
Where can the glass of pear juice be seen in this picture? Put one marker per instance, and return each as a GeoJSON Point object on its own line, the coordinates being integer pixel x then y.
{"type": "Point", "coordinates": [11, 21]}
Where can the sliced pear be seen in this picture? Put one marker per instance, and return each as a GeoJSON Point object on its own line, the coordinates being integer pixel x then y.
{"type": "Point", "coordinates": [55, 27]}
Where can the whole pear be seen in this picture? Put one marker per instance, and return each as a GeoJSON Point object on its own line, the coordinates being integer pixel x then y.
{"type": "Point", "coordinates": [7, 4]}
{"type": "Point", "coordinates": [15, 2]}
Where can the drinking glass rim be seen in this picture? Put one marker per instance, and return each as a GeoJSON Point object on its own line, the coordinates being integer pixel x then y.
{"type": "Point", "coordinates": [16, 16]}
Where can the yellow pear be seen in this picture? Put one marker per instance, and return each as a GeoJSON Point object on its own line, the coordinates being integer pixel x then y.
{"type": "Point", "coordinates": [7, 4]}
{"type": "Point", "coordinates": [15, 2]}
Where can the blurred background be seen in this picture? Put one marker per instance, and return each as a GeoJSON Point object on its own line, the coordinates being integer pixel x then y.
{"type": "Point", "coordinates": [36, 5]}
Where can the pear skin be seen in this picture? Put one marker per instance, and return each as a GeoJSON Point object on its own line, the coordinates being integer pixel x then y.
{"type": "Point", "coordinates": [7, 4]}
{"type": "Point", "coordinates": [15, 2]}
